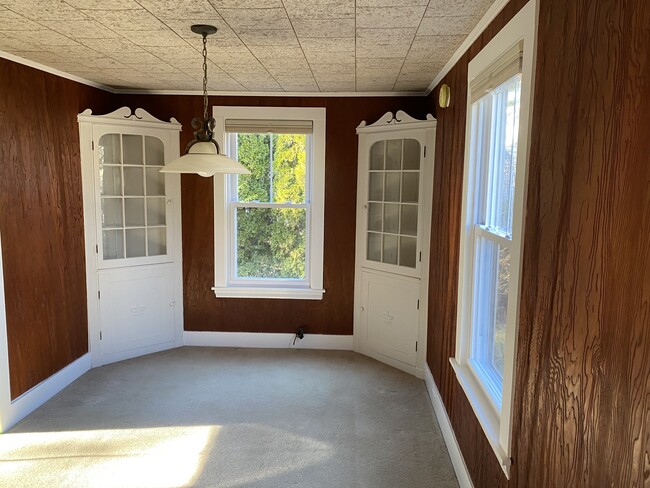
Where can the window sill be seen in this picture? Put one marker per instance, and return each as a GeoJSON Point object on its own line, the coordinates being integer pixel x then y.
{"type": "Point", "coordinates": [261, 292]}
{"type": "Point", "coordinates": [484, 411]}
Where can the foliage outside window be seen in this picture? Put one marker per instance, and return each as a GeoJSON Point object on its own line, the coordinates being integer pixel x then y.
{"type": "Point", "coordinates": [270, 206]}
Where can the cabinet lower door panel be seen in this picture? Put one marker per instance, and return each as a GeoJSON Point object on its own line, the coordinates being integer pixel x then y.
{"type": "Point", "coordinates": [390, 315]}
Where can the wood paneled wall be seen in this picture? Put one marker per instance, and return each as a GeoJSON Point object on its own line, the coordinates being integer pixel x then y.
{"type": "Point", "coordinates": [583, 364]}
{"type": "Point", "coordinates": [333, 314]}
{"type": "Point", "coordinates": [41, 221]}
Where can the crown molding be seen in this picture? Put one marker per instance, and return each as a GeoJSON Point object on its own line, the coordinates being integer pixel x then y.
{"type": "Point", "coordinates": [131, 91]}
{"type": "Point", "coordinates": [47, 69]}
{"type": "Point", "coordinates": [478, 29]}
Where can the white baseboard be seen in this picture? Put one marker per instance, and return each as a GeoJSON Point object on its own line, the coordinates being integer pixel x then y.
{"type": "Point", "coordinates": [266, 340]}
{"type": "Point", "coordinates": [21, 407]}
{"type": "Point", "coordinates": [464, 480]}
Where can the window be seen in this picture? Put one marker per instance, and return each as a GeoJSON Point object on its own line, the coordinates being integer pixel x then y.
{"type": "Point", "coordinates": [269, 224]}
{"type": "Point", "coordinates": [499, 100]}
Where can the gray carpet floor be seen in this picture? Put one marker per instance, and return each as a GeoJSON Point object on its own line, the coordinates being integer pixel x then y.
{"type": "Point", "coordinates": [232, 418]}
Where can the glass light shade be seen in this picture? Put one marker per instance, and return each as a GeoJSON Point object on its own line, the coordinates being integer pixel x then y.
{"type": "Point", "coordinates": [204, 159]}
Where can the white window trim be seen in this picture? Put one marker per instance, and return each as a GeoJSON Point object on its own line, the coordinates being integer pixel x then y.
{"type": "Point", "coordinates": [496, 424]}
{"type": "Point", "coordinates": [283, 289]}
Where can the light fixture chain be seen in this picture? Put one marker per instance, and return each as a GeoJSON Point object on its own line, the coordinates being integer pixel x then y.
{"type": "Point", "coordinates": [205, 76]}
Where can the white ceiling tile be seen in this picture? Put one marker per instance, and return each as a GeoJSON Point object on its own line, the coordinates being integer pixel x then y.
{"type": "Point", "coordinates": [160, 38]}
{"type": "Point", "coordinates": [10, 43]}
{"type": "Point", "coordinates": [450, 8]}
{"type": "Point", "coordinates": [80, 29]}
{"type": "Point", "coordinates": [334, 77]}
{"type": "Point", "coordinates": [375, 85]}
{"type": "Point", "coordinates": [126, 20]}
{"type": "Point", "coordinates": [327, 44]}
{"type": "Point", "coordinates": [218, 4]}
{"type": "Point", "coordinates": [179, 9]}
{"type": "Point", "coordinates": [411, 86]}
{"type": "Point", "coordinates": [446, 26]}
{"type": "Point", "coordinates": [299, 87]}
{"type": "Point", "coordinates": [138, 58]}
{"type": "Point", "coordinates": [391, 3]}
{"type": "Point", "coordinates": [275, 37]}
{"type": "Point", "coordinates": [112, 46]}
{"type": "Point", "coordinates": [45, 38]}
{"type": "Point", "coordinates": [11, 21]}
{"type": "Point", "coordinates": [279, 53]}
{"type": "Point", "coordinates": [104, 4]}
{"type": "Point", "coordinates": [324, 28]}
{"type": "Point", "coordinates": [386, 36]}
{"type": "Point", "coordinates": [382, 63]}
{"type": "Point", "coordinates": [320, 9]}
{"type": "Point", "coordinates": [246, 19]}
{"type": "Point", "coordinates": [50, 10]}
{"type": "Point", "coordinates": [270, 86]}
{"type": "Point", "coordinates": [332, 68]}
{"type": "Point", "coordinates": [330, 57]}
{"type": "Point", "coordinates": [389, 17]}
{"type": "Point", "coordinates": [336, 86]}
{"type": "Point", "coordinates": [434, 47]}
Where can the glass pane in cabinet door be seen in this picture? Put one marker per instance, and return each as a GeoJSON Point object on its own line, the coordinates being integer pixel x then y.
{"type": "Point", "coordinates": [394, 154]}
{"type": "Point", "coordinates": [154, 151]}
{"type": "Point", "coordinates": [157, 241]}
{"type": "Point", "coordinates": [377, 156]}
{"type": "Point", "coordinates": [110, 180]}
{"type": "Point", "coordinates": [392, 187]}
{"type": "Point", "coordinates": [111, 213]}
{"type": "Point", "coordinates": [390, 249]}
{"type": "Point", "coordinates": [135, 243]}
{"type": "Point", "coordinates": [156, 211]}
{"type": "Point", "coordinates": [376, 188]}
{"type": "Point", "coordinates": [375, 216]}
{"type": "Point", "coordinates": [407, 251]}
{"type": "Point", "coordinates": [133, 181]}
{"type": "Point", "coordinates": [411, 154]}
{"type": "Point", "coordinates": [134, 212]}
{"type": "Point", "coordinates": [113, 244]}
{"type": "Point", "coordinates": [109, 149]}
{"type": "Point", "coordinates": [391, 218]}
{"type": "Point", "coordinates": [410, 187]}
{"type": "Point", "coordinates": [374, 247]}
{"type": "Point", "coordinates": [408, 224]}
{"type": "Point", "coordinates": [155, 182]}
{"type": "Point", "coordinates": [132, 149]}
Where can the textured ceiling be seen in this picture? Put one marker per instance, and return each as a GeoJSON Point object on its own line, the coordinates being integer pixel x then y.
{"type": "Point", "coordinates": [262, 45]}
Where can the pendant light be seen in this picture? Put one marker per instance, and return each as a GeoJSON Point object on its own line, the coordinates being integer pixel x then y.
{"type": "Point", "coordinates": [203, 156]}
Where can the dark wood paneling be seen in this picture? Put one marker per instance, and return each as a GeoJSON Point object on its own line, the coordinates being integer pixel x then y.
{"type": "Point", "coordinates": [333, 314]}
{"type": "Point", "coordinates": [583, 364]}
{"type": "Point", "coordinates": [41, 221]}
{"type": "Point", "coordinates": [584, 358]}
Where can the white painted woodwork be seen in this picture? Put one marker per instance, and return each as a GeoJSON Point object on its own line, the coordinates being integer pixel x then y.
{"type": "Point", "coordinates": [394, 193]}
{"type": "Point", "coordinates": [134, 295]}
{"type": "Point", "coordinates": [390, 315]}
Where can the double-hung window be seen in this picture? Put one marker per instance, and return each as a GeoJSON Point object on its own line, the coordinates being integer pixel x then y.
{"type": "Point", "coordinates": [269, 224]}
{"type": "Point", "coordinates": [498, 115]}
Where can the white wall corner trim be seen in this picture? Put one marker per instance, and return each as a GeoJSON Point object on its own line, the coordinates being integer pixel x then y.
{"type": "Point", "coordinates": [267, 340]}
{"type": "Point", "coordinates": [464, 479]}
{"type": "Point", "coordinates": [13, 412]}
{"type": "Point", "coordinates": [487, 18]}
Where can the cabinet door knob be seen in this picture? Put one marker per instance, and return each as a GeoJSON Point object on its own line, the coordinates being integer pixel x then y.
{"type": "Point", "coordinates": [363, 309]}
{"type": "Point", "coordinates": [365, 207]}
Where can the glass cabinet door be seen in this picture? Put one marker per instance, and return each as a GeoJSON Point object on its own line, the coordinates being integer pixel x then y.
{"type": "Point", "coordinates": [393, 202]}
{"type": "Point", "coordinates": [133, 206]}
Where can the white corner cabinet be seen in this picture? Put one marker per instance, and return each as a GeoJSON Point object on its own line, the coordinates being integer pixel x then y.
{"type": "Point", "coordinates": [394, 193]}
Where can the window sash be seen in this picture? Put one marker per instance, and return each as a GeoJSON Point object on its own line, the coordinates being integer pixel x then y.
{"type": "Point", "coordinates": [233, 204]}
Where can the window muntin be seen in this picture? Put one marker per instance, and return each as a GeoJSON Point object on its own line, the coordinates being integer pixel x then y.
{"type": "Point", "coordinates": [270, 208]}
{"type": "Point", "coordinates": [393, 202]}
{"type": "Point", "coordinates": [132, 191]}
{"type": "Point", "coordinates": [495, 130]}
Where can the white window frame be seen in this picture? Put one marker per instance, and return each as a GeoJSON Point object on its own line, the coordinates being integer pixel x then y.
{"type": "Point", "coordinates": [496, 422]}
{"type": "Point", "coordinates": [226, 284]}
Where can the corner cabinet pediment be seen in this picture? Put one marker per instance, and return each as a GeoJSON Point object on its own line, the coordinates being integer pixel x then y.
{"type": "Point", "coordinates": [394, 192]}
